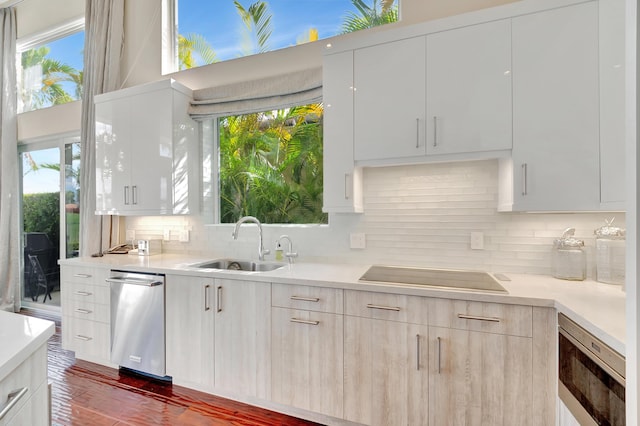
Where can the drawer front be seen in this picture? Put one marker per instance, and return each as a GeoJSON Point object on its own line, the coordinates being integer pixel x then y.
{"type": "Point", "coordinates": [84, 275]}
{"type": "Point", "coordinates": [83, 310]}
{"type": "Point", "coordinates": [29, 375]}
{"type": "Point", "coordinates": [391, 307]}
{"type": "Point", "coordinates": [35, 412]}
{"type": "Point", "coordinates": [319, 299]}
{"type": "Point", "coordinates": [514, 320]}
{"type": "Point", "coordinates": [87, 293]}
{"type": "Point", "coordinates": [86, 338]}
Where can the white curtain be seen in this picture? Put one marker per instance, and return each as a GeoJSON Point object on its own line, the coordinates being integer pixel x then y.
{"type": "Point", "coordinates": [9, 193]}
{"type": "Point", "coordinates": [104, 36]}
{"type": "Point", "coordinates": [281, 91]}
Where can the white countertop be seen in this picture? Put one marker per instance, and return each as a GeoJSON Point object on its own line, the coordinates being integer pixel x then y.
{"type": "Point", "coordinates": [599, 308]}
{"type": "Point", "coordinates": [20, 336]}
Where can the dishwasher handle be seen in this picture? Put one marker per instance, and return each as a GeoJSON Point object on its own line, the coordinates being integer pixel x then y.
{"type": "Point", "coordinates": [150, 282]}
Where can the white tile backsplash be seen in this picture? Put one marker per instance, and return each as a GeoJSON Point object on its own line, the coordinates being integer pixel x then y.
{"type": "Point", "coordinates": [414, 215]}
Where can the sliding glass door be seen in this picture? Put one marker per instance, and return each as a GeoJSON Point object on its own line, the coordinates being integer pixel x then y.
{"type": "Point", "coordinates": [50, 216]}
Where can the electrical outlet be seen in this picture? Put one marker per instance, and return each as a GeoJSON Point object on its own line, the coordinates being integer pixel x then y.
{"type": "Point", "coordinates": [166, 235]}
{"type": "Point", "coordinates": [131, 234]}
{"type": "Point", "coordinates": [358, 240]}
{"type": "Point", "coordinates": [477, 241]}
{"type": "Point", "coordinates": [184, 236]}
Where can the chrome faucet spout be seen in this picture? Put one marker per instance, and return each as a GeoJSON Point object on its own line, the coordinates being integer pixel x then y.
{"type": "Point", "coordinates": [261, 250]}
{"type": "Point", "coordinates": [290, 254]}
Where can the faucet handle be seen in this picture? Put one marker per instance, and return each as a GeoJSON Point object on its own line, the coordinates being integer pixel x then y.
{"type": "Point", "coordinates": [290, 256]}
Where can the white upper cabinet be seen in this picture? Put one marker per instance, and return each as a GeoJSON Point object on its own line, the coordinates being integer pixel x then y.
{"type": "Point", "coordinates": [146, 151]}
{"type": "Point", "coordinates": [469, 89]}
{"type": "Point", "coordinates": [342, 181]}
{"type": "Point", "coordinates": [556, 110]}
{"type": "Point", "coordinates": [389, 84]}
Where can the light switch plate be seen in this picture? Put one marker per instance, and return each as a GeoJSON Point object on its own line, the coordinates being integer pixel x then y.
{"type": "Point", "coordinates": [358, 240]}
{"type": "Point", "coordinates": [131, 234]}
{"type": "Point", "coordinates": [184, 236]}
{"type": "Point", "coordinates": [166, 234]}
{"type": "Point", "coordinates": [477, 241]}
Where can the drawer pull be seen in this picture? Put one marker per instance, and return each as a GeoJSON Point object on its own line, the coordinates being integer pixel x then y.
{"type": "Point", "coordinates": [417, 352]}
{"type": "Point", "coordinates": [477, 318]}
{"type": "Point", "coordinates": [83, 311]}
{"type": "Point", "coordinates": [83, 338]}
{"type": "Point", "coordinates": [301, 321]}
{"type": "Point", "coordinates": [82, 275]}
{"type": "Point", "coordinates": [12, 400]}
{"type": "Point", "coordinates": [206, 297]}
{"type": "Point", "coordinates": [439, 355]}
{"type": "Point", "coordinates": [83, 293]}
{"type": "Point", "coordinates": [384, 308]}
{"type": "Point", "coordinates": [305, 299]}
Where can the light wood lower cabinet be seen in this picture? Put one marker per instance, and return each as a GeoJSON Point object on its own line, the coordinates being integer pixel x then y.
{"type": "Point", "coordinates": [386, 372]}
{"type": "Point", "coordinates": [479, 378]}
{"type": "Point", "coordinates": [190, 313]}
{"type": "Point", "coordinates": [307, 360]}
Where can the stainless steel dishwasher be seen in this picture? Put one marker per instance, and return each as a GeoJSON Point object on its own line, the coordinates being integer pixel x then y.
{"type": "Point", "coordinates": [137, 321]}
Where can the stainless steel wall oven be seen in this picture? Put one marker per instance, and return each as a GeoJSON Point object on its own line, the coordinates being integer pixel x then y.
{"type": "Point", "coordinates": [592, 376]}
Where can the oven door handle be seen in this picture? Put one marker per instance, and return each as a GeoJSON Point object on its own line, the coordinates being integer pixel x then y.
{"type": "Point", "coordinates": [593, 357]}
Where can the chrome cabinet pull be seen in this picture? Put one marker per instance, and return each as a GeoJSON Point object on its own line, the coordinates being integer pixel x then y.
{"type": "Point", "coordinates": [439, 354]}
{"type": "Point", "coordinates": [384, 308]}
{"type": "Point", "coordinates": [83, 338]}
{"type": "Point", "coordinates": [83, 311]}
{"type": "Point", "coordinates": [134, 194]}
{"type": "Point", "coordinates": [82, 275]}
{"type": "Point", "coordinates": [417, 133]}
{"type": "Point", "coordinates": [417, 352]}
{"type": "Point", "coordinates": [477, 318]}
{"type": "Point", "coordinates": [219, 299]}
{"type": "Point", "coordinates": [435, 131]}
{"type": "Point", "coordinates": [524, 179]}
{"type": "Point", "coordinates": [126, 194]}
{"type": "Point", "coordinates": [82, 293]}
{"type": "Point", "coordinates": [346, 186]}
{"type": "Point", "coordinates": [306, 299]}
{"type": "Point", "coordinates": [12, 400]}
{"type": "Point", "coordinates": [301, 321]}
{"type": "Point", "coordinates": [206, 297]}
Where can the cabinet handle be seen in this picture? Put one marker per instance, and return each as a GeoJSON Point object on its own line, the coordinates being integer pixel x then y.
{"type": "Point", "coordinates": [219, 299]}
{"type": "Point", "coordinates": [524, 179]}
{"type": "Point", "coordinates": [384, 308]}
{"type": "Point", "coordinates": [12, 400]}
{"type": "Point", "coordinates": [126, 194]}
{"type": "Point", "coordinates": [417, 352]}
{"type": "Point", "coordinates": [206, 297]}
{"type": "Point", "coordinates": [82, 293]}
{"type": "Point", "coordinates": [305, 299]}
{"type": "Point", "coordinates": [346, 186]}
{"type": "Point", "coordinates": [134, 194]}
{"type": "Point", "coordinates": [439, 354]}
{"type": "Point", "coordinates": [83, 311]}
{"type": "Point", "coordinates": [417, 133]}
{"type": "Point", "coordinates": [82, 275]}
{"type": "Point", "coordinates": [301, 321]}
{"type": "Point", "coordinates": [477, 318]}
{"type": "Point", "coordinates": [83, 338]}
{"type": "Point", "coordinates": [435, 131]}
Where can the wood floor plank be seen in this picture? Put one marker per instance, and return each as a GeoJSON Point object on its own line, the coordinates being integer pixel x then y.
{"type": "Point", "coordinates": [84, 393]}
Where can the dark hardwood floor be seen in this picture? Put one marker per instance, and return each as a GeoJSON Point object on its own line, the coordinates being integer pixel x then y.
{"type": "Point", "coordinates": [84, 393]}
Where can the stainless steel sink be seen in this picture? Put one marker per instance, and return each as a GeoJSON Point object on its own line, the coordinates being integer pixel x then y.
{"type": "Point", "coordinates": [239, 265]}
{"type": "Point", "coordinates": [445, 278]}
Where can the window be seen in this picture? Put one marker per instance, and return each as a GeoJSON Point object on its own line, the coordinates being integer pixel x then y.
{"type": "Point", "coordinates": [270, 165]}
{"type": "Point", "coordinates": [209, 31]}
{"type": "Point", "coordinates": [50, 67]}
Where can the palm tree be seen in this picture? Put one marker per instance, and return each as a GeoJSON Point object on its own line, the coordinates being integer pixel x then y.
{"type": "Point", "coordinates": [380, 13]}
{"type": "Point", "coordinates": [257, 21]}
{"type": "Point", "coordinates": [191, 44]}
{"type": "Point", "coordinates": [46, 90]}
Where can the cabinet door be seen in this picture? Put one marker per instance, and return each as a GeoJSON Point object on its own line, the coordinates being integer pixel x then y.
{"type": "Point", "coordinates": [386, 372]}
{"type": "Point", "coordinates": [479, 378]}
{"type": "Point", "coordinates": [307, 360]}
{"type": "Point", "coordinates": [390, 100]}
{"type": "Point", "coordinates": [113, 161]}
{"type": "Point", "coordinates": [469, 89]}
{"type": "Point", "coordinates": [556, 109]}
{"type": "Point", "coordinates": [342, 182]}
{"type": "Point", "coordinates": [151, 146]}
{"type": "Point", "coordinates": [242, 331]}
{"type": "Point", "coordinates": [189, 323]}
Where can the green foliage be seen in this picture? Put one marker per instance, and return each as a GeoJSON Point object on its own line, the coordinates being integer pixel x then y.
{"type": "Point", "coordinates": [257, 21]}
{"type": "Point", "coordinates": [271, 166]}
{"type": "Point", "coordinates": [41, 213]}
{"type": "Point", "coordinates": [379, 13]}
{"type": "Point", "coordinates": [191, 44]}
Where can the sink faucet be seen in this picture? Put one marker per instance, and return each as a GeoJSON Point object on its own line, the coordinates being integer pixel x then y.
{"type": "Point", "coordinates": [289, 254]}
{"type": "Point", "coordinates": [261, 250]}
